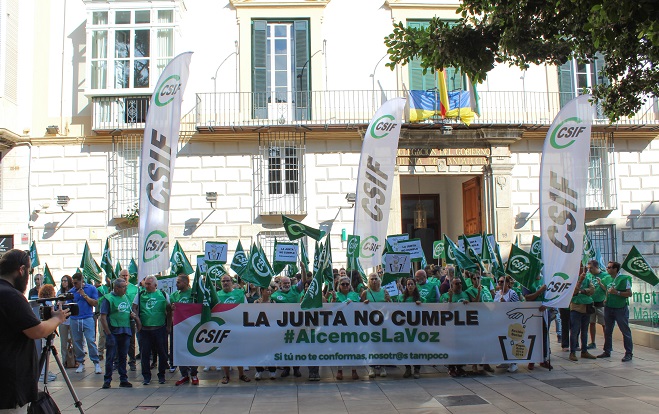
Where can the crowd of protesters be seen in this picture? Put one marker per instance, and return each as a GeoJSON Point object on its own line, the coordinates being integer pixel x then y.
{"type": "Point", "coordinates": [117, 312]}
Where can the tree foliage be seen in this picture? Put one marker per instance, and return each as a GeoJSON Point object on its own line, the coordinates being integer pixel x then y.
{"type": "Point", "coordinates": [525, 32]}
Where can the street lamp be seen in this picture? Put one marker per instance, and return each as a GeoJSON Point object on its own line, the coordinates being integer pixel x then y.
{"type": "Point", "coordinates": [214, 78]}
{"type": "Point", "coordinates": [372, 75]}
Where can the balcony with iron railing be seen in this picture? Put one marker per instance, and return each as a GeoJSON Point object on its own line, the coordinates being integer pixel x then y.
{"type": "Point", "coordinates": [229, 111]}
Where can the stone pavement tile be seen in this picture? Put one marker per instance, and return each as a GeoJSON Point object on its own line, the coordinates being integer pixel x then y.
{"type": "Point", "coordinates": [433, 410]}
{"type": "Point", "coordinates": [323, 410]}
{"type": "Point", "coordinates": [520, 392]}
{"type": "Point", "coordinates": [107, 409]}
{"type": "Point", "coordinates": [369, 404]}
{"type": "Point", "coordinates": [475, 409]}
{"type": "Point", "coordinates": [317, 388]}
{"type": "Point", "coordinates": [405, 403]}
{"type": "Point", "coordinates": [587, 406]}
{"type": "Point", "coordinates": [177, 409]}
{"type": "Point", "coordinates": [606, 379]}
{"type": "Point", "coordinates": [552, 407]}
{"type": "Point", "coordinates": [641, 392]}
{"type": "Point", "coordinates": [589, 393]}
{"type": "Point", "coordinates": [372, 410]}
{"type": "Point", "coordinates": [626, 404]}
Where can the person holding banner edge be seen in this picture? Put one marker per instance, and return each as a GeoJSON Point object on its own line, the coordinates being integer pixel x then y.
{"type": "Point", "coordinates": [616, 310]}
{"type": "Point", "coordinates": [579, 316]}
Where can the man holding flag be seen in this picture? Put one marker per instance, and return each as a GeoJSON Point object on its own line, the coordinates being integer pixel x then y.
{"type": "Point", "coordinates": [616, 310]}
{"type": "Point", "coordinates": [82, 324]}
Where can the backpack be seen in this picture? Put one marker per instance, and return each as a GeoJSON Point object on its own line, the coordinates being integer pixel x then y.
{"type": "Point", "coordinates": [43, 405]}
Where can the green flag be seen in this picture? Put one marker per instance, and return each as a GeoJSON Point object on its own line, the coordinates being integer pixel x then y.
{"type": "Point", "coordinates": [47, 276]}
{"type": "Point", "coordinates": [106, 262]}
{"type": "Point", "coordinates": [239, 262]}
{"type": "Point", "coordinates": [277, 266]}
{"type": "Point", "coordinates": [636, 265]}
{"type": "Point", "coordinates": [258, 269]}
{"type": "Point", "coordinates": [588, 248]}
{"type": "Point", "coordinates": [132, 271]}
{"type": "Point", "coordinates": [471, 253]}
{"type": "Point", "coordinates": [34, 256]}
{"type": "Point", "coordinates": [523, 267]}
{"type": "Point", "coordinates": [204, 293]}
{"type": "Point", "coordinates": [458, 258]}
{"type": "Point", "coordinates": [438, 249]}
{"type": "Point", "coordinates": [536, 247]}
{"type": "Point", "coordinates": [304, 257]}
{"type": "Point", "coordinates": [328, 273]}
{"type": "Point", "coordinates": [117, 269]}
{"type": "Point", "coordinates": [179, 261]}
{"type": "Point", "coordinates": [88, 265]}
{"type": "Point", "coordinates": [516, 240]}
{"type": "Point", "coordinates": [316, 257]}
{"type": "Point", "coordinates": [292, 270]}
{"type": "Point", "coordinates": [313, 297]}
{"type": "Point", "coordinates": [295, 229]}
{"type": "Point", "coordinates": [352, 252]}
{"type": "Point", "coordinates": [214, 271]}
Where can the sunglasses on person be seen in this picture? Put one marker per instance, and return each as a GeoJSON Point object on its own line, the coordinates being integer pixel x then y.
{"type": "Point", "coordinates": [501, 282]}
{"type": "Point", "coordinates": [345, 284]}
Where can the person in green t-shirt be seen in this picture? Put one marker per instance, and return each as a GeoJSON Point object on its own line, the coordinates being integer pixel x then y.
{"type": "Point", "coordinates": [375, 293]}
{"type": "Point", "coordinates": [344, 294]}
{"type": "Point", "coordinates": [579, 317]}
{"type": "Point", "coordinates": [616, 311]}
{"type": "Point", "coordinates": [600, 281]}
{"type": "Point", "coordinates": [131, 292]}
{"type": "Point", "coordinates": [455, 294]}
{"type": "Point", "coordinates": [477, 292]}
{"type": "Point", "coordinates": [115, 322]}
{"type": "Point", "coordinates": [183, 294]}
{"type": "Point", "coordinates": [412, 294]}
{"type": "Point", "coordinates": [429, 291]}
{"type": "Point", "coordinates": [230, 295]}
{"type": "Point", "coordinates": [154, 317]}
{"type": "Point", "coordinates": [289, 294]}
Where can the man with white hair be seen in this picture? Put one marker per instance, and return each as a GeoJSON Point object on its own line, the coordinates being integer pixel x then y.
{"type": "Point", "coordinates": [153, 310]}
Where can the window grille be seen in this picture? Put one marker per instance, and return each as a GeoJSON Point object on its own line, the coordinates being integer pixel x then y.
{"type": "Point", "coordinates": [604, 240]}
{"type": "Point", "coordinates": [279, 187]}
{"type": "Point", "coordinates": [601, 193]}
{"type": "Point", "coordinates": [123, 246]}
{"type": "Point", "coordinates": [124, 174]}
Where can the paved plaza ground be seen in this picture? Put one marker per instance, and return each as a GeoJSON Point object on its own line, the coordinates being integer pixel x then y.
{"type": "Point", "coordinates": [587, 386]}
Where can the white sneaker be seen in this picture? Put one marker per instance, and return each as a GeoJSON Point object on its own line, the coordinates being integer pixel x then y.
{"type": "Point", "coordinates": [97, 368]}
{"type": "Point", "coordinates": [172, 369]}
{"type": "Point", "coordinates": [206, 369]}
{"type": "Point", "coordinates": [512, 368]}
{"type": "Point", "coordinates": [245, 369]}
{"type": "Point", "coordinates": [51, 377]}
{"type": "Point", "coordinates": [81, 368]}
{"type": "Point", "coordinates": [257, 376]}
{"type": "Point", "coordinates": [220, 369]}
{"type": "Point", "coordinates": [383, 372]}
{"type": "Point", "coordinates": [371, 372]}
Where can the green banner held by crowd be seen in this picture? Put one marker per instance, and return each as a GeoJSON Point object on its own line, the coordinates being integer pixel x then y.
{"type": "Point", "coordinates": [636, 265]}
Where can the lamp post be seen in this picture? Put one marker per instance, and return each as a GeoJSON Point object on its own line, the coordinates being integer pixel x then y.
{"type": "Point", "coordinates": [372, 75]}
{"type": "Point", "coordinates": [214, 78]}
{"type": "Point", "coordinates": [300, 91]}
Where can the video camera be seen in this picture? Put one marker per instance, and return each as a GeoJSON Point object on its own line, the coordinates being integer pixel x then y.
{"type": "Point", "coordinates": [46, 312]}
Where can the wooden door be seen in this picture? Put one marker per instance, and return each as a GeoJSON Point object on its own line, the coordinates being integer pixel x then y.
{"type": "Point", "coordinates": [472, 206]}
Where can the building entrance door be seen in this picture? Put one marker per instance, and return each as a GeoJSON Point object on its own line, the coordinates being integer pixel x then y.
{"type": "Point", "coordinates": [472, 206]}
{"type": "Point", "coordinates": [432, 230]}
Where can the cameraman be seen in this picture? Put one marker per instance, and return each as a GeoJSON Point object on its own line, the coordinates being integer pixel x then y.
{"type": "Point", "coordinates": [19, 327]}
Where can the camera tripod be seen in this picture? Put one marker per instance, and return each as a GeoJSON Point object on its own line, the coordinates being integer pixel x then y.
{"type": "Point", "coordinates": [43, 367]}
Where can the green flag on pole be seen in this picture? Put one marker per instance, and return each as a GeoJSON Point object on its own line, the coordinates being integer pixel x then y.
{"type": "Point", "coordinates": [296, 230]}
{"type": "Point", "coordinates": [179, 261]}
{"type": "Point", "coordinates": [352, 252]}
{"type": "Point", "coordinates": [258, 269]}
{"type": "Point", "coordinates": [313, 297]}
{"type": "Point", "coordinates": [536, 247]}
{"type": "Point", "coordinates": [304, 257]}
{"type": "Point", "coordinates": [88, 265]}
{"type": "Point", "coordinates": [458, 258]}
{"type": "Point", "coordinates": [106, 262]}
{"type": "Point", "coordinates": [132, 271]}
{"type": "Point", "coordinates": [47, 276]}
{"type": "Point", "coordinates": [277, 266]}
{"type": "Point", "coordinates": [328, 273]}
{"type": "Point", "coordinates": [239, 262]}
{"type": "Point", "coordinates": [636, 265]}
{"type": "Point", "coordinates": [523, 267]}
{"type": "Point", "coordinates": [438, 249]}
{"type": "Point", "coordinates": [316, 257]}
{"type": "Point", "coordinates": [471, 253]}
{"type": "Point", "coordinates": [117, 269]}
{"type": "Point", "coordinates": [34, 256]}
{"type": "Point", "coordinates": [204, 293]}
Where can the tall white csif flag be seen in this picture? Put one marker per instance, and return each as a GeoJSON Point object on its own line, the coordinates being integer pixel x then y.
{"type": "Point", "coordinates": [163, 122]}
{"type": "Point", "coordinates": [375, 180]}
{"type": "Point", "coordinates": [563, 184]}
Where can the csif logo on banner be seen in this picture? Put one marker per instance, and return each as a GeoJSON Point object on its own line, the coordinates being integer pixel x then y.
{"type": "Point", "coordinates": [259, 265]}
{"type": "Point", "coordinates": [438, 248]}
{"type": "Point", "coordinates": [559, 283]}
{"type": "Point", "coordinates": [563, 133]}
{"type": "Point", "coordinates": [353, 245]}
{"type": "Point", "coordinates": [239, 259]}
{"type": "Point", "coordinates": [370, 244]}
{"type": "Point", "coordinates": [519, 264]}
{"type": "Point", "coordinates": [124, 307]}
{"type": "Point", "coordinates": [638, 265]}
{"type": "Point", "coordinates": [381, 128]}
{"type": "Point", "coordinates": [167, 90]}
{"type": "Point", "coordinates": [156, 242]}
{"type": "Point", "coordinates": [206, 336]}
{"type": "Point", "coordinates": [536, 247]}
{"type": "Point", "coordinates": [215, 272]}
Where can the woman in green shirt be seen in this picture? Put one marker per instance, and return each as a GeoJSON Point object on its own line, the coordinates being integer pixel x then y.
{"type": "Point", "coordinates": [344, 294]}
{"type": "Point", "coordinates": [411, 294]}
{"type": "Point", "coordinates": [375, 293]}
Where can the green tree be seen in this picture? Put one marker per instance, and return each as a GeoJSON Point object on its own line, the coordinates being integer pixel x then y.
{"type": "Point", "coordinates": [525, 32]}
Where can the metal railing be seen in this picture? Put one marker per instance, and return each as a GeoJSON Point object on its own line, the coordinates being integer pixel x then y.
{"type": "Point", "coordinates": [325, 108]}
{"type": "Point", "coordinates": [342, 107]}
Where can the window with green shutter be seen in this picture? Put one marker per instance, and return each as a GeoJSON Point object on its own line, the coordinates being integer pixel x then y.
{"type": "Point", "coordinates": [281, 71]}
{"type": "Point", "coordinates": [574, 77]}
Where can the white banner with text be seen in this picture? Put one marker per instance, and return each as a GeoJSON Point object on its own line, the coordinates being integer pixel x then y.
{"type": "Point", "coordinates": [358, 334]}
